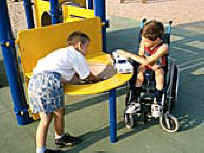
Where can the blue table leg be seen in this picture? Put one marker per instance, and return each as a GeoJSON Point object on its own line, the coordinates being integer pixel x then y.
{"type": "Point", "coordinates": [112, 116]}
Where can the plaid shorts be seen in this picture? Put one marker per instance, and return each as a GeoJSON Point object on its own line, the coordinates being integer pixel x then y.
{"type": "Point", "coordinates": [45, 92]}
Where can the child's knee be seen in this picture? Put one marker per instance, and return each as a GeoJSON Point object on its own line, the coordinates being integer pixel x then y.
{"type": "Point", "coordinates": [141, 69]}
{"type": "Point", "coordinates": [60, 112]}
{"type": "Point", "coordinates": [159, 72]}
{"type": "Point", "coordinates": [45, 119]}
{"type": "Point", "coordinates": [140, 80]}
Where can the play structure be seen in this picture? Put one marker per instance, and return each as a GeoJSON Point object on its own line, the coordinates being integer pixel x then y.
{"type": "Point", "coordinates": [37, 41]}
{"type": "Point", "coordinates": [69, 10]}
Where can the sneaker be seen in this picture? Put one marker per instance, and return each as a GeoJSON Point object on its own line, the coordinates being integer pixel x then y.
{"type": "Point", "coordinates": [156, 110]}
{"type": "Point", "coordinates": [67, 140]}
{"type": "Point", "coordinates": [52, 151]}
{"type": "Point", "coordinates": [132, 108]}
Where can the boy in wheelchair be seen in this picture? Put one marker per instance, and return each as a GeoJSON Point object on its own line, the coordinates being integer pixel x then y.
{"type": "Point", "coordinates": [154, 84]}
{"type": "Point", "coordinates": [151, 57]}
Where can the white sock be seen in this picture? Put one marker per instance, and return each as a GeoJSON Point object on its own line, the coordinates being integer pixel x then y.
{"type": "Point", "coordinates": [41, 149]}
{"type": "Point", "coordinates": [58, 136]}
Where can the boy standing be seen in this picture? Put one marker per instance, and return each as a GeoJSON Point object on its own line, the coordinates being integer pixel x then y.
{"type": "Point", "coordinates": [46, 92]}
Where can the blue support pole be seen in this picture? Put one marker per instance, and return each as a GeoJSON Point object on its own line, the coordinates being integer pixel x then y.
{"type": "Point", "coordinates": [10, 64]}
{"type": "Point", "coordinates": [112, 116]}
{"type": "Point", "coordinates": [55, 11]}
{"type": "Point", "coordinates": [29, 13]}
{"type": "Point", "coordinates": [90, 4]}
{"type": "Point", "coordinates": [100, 10]}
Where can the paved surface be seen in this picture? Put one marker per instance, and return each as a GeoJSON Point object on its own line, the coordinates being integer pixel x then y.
{"type": "Point", "coordinates": [87, 116]}
{"type": "Point", "coordinates": [179, 11]}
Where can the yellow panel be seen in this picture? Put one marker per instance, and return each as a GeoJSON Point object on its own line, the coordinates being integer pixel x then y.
{"type": "Point", "coordinates": [37, 43]}
{"type": "Point", "coordinates": [68, 11]}
{"type": "Point", "coordinates": [40, 7]}
{"type": "Point", "coordinates": [82, 3]}
{"type": "Point", "coordinates": [72, 19]}
{"type": "Point", "coordinates": [72, 11]}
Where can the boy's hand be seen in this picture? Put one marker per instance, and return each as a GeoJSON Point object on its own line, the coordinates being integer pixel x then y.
{"type": "Point", "coordinates": [123, 53]}
{"type": "Point", "coordinates": [93, 78]}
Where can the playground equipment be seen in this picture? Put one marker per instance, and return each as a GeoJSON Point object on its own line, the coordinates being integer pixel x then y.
{"type": "Point", "coordinates": [31, 48]}
{"type": "Point", "coordinates": [71, 10]}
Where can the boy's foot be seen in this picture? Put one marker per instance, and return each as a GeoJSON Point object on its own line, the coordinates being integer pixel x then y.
{"type": "Point", "coordinates": [52, 151]}
{"type": "Point", "coordinates": [132, 108]}
{"type": "Point", "coordinates": [67, 140]}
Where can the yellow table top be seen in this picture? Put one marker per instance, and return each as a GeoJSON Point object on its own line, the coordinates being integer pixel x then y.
{"type": "Point", "coordinates": [95, 88]}
{"type": "Point", "coordinates": [99, 87]}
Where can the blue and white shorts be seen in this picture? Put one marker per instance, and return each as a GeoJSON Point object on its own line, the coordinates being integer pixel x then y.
{"type": "Point", "coordinates": [45, 92]}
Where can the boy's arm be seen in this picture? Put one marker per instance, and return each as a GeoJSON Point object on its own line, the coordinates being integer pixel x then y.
{"type": "Point", "coordinates": [163, 50]}
{"type": "Point", "coordinates": [138, 58]}
{"type": "Point", "coordinates": [141, 49]}
{"type": "Point", "coordinates": [93, 78]}
{"type": "Point", "coordinates": [147, 60]}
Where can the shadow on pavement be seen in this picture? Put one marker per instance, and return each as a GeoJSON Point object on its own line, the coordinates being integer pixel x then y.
{"type": "Point", "coordinates": [3, 78]}
{"type": "Point", "coordinates": [189, 108]}
{"type": "Point", "coordinates": [91, 101]}
{"type": "Point", "coordinates": [95, 136]}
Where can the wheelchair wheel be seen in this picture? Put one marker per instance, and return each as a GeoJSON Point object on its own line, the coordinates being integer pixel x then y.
{"type": "Point", "coordinates": [169, 123]}
{"type": "Point", "coordinates": [173, 86]}
{"type": "Point", "coordinates": [129, 121]}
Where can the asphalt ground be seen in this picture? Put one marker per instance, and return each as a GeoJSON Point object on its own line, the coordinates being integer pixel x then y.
{"type": "Point", "coordinates": [87, 116]}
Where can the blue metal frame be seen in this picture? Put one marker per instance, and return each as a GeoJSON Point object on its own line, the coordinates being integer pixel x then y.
{"type": "Point", "coordinates": [55, 11]}
{"type": "Point", "coordinates": [100, 11]}
{"type": "Point", "coordinates": [29, 13]}
{"type": "Point", "coordinates": [90, 4]}
{"type": "Point", "coordinates": [112, 116]}
{"type": "Point", "coordinates": [10, 64]}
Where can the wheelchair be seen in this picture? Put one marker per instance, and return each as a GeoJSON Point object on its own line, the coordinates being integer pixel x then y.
{"type": "Point", "coordinates": [145, 109]}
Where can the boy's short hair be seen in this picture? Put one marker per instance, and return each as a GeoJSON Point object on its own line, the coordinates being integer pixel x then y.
{"type": "Point", "coordinates": [76, 37]}
{"type": "Point", "coordinates": [152, 30]}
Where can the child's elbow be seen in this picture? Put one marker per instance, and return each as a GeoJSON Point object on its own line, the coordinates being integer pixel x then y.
{"type": "Point", "coordinates": [166, 49]}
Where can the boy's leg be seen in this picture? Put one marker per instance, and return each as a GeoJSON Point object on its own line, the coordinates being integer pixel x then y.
{"type": "Point", "coordinates": [159, 77]}
{"type": "Point", "coordinates": [41, 133]}
{"type": "Point", "coordinates": [136, 85]}
{"type": "Point", "coordinates": [61, 138]}
{"type": "Point", "coordinates": [139, 81]}
{"type": "Point", "coordinates": [140, 76]}
{"type": "Point", "coordinates": [59, 122]}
